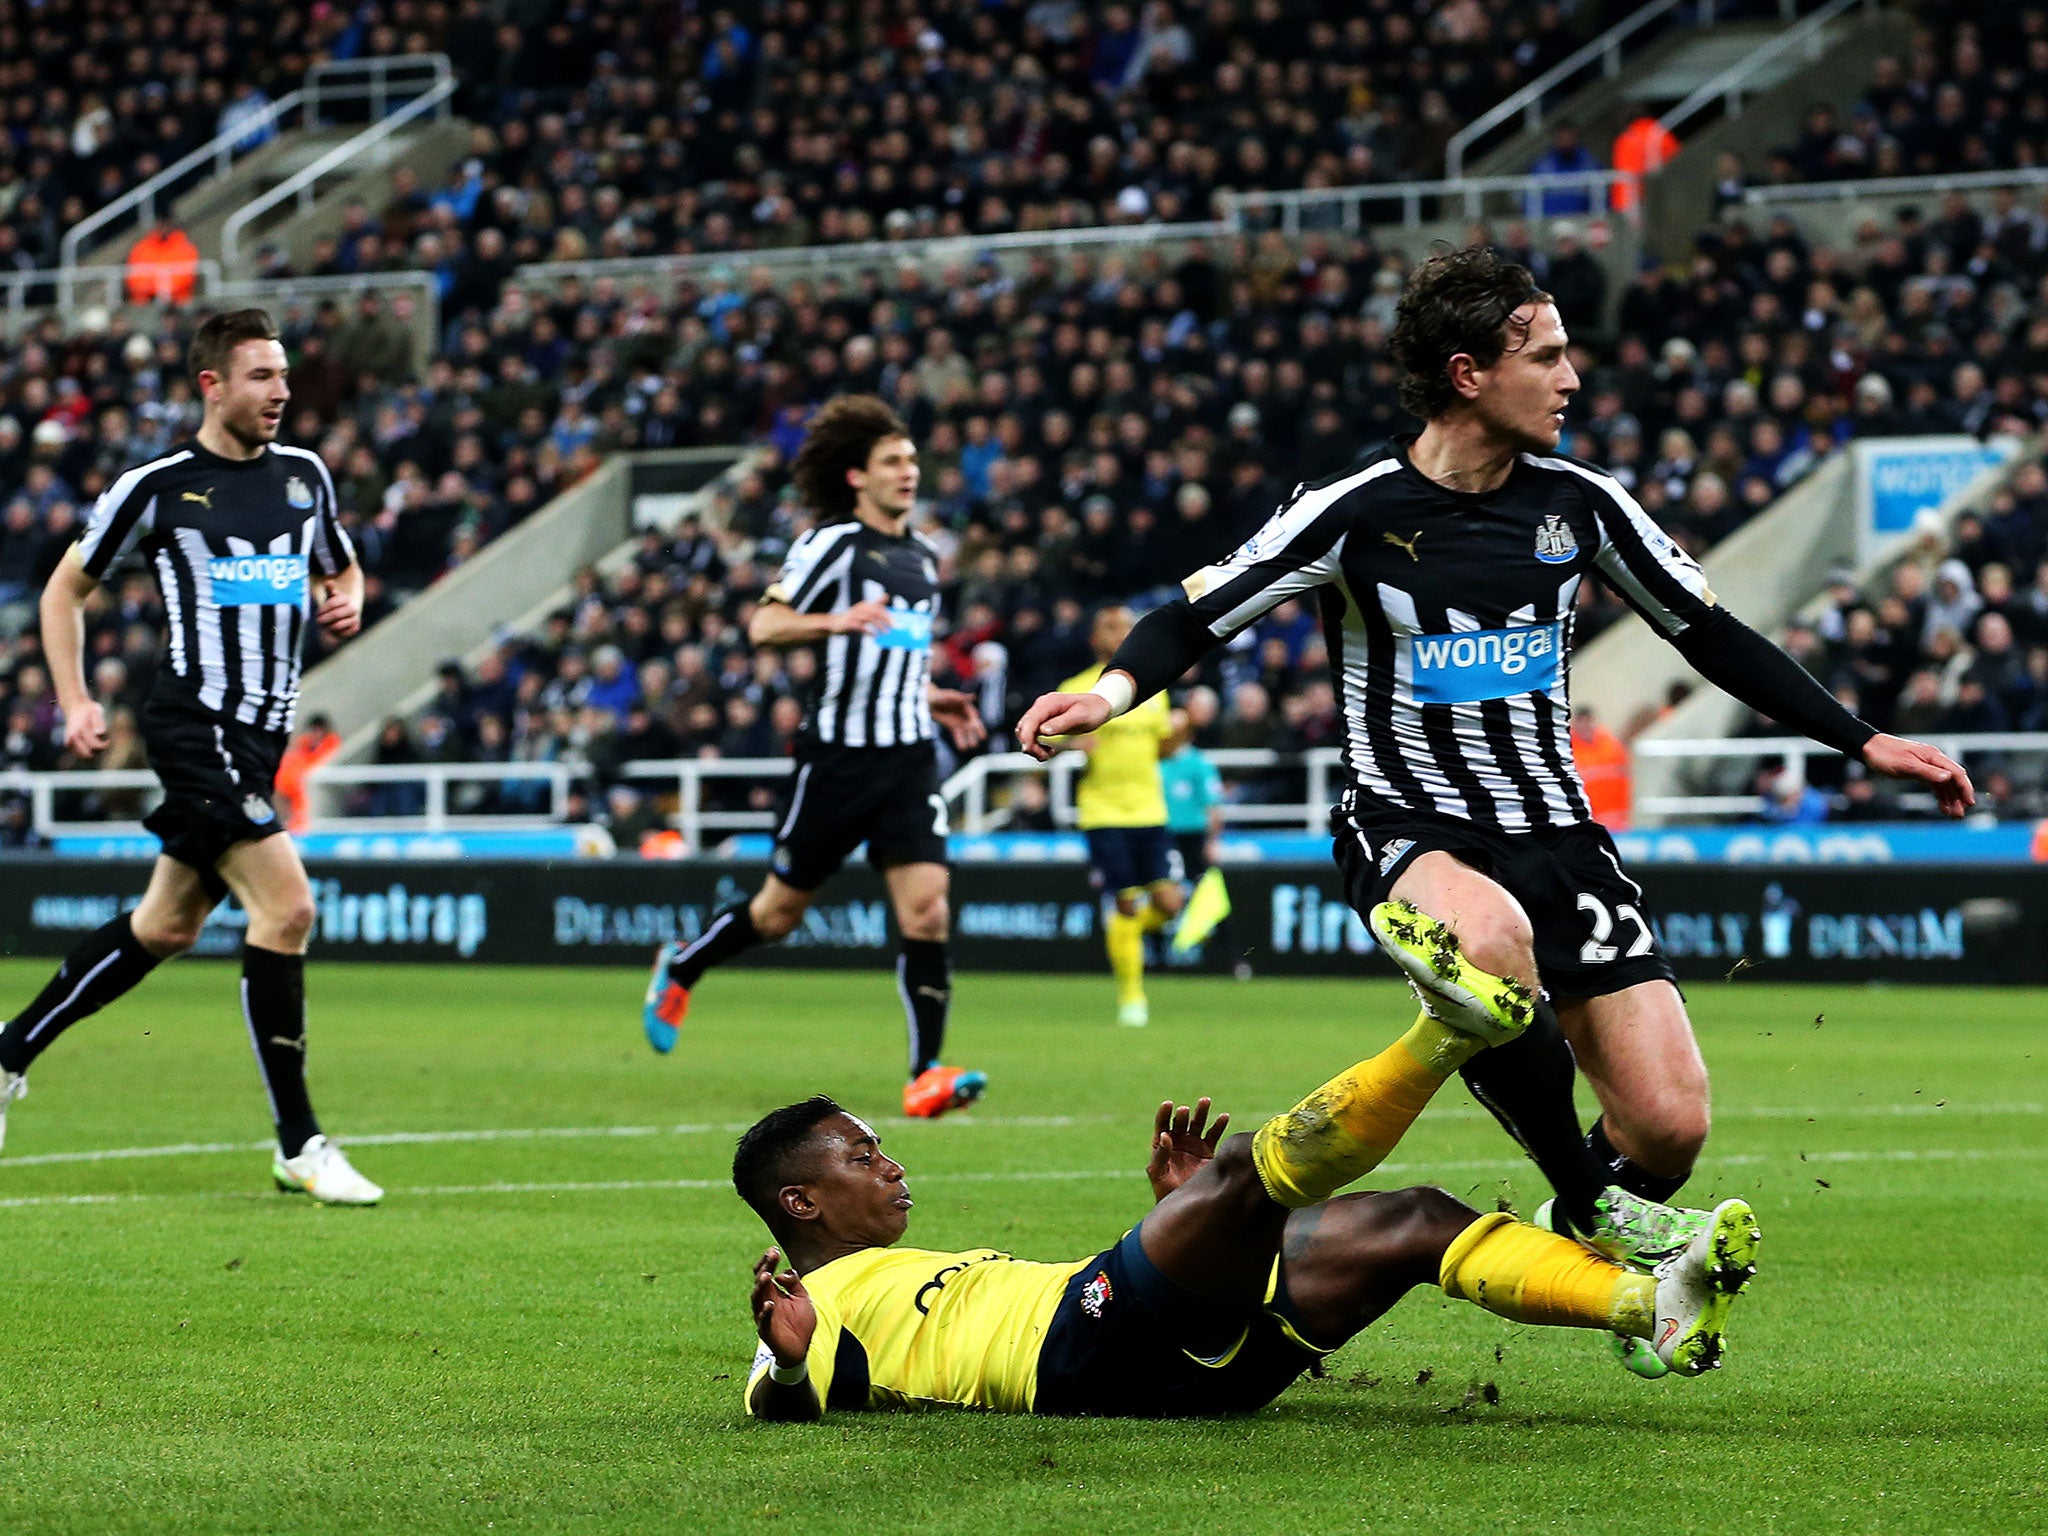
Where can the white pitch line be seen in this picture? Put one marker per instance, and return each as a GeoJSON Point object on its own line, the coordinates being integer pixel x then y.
{"type": "Point", "coordinates": [966, 1121]}
{"type": "Point", "coordinates": [1029, 1176]}
{"type": "Point", "coordinates": [526, 1133]}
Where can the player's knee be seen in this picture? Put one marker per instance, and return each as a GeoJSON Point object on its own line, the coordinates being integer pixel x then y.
{"type": "Point", "coordinates": [165, 934]}
{"type": "Point", "coordinates": [292, 919]}
{"type": "Point", "coordinates": [775, 921]}
{"type": "Point", "coordinates": [926, 921]}
{"type": "Point", "coordinates": [1127, 903]}
{"type": "Point", "coordinates": [1236, 1169]}
{"type": "Point", "coordinates": [1667, 1136]}
{"type": "Point", "coordinates": [1499, 942]}
{"type": "Point", "coordinates": [1169, 899]}
{"type": "Point", "coordinates": [1427, 1219]}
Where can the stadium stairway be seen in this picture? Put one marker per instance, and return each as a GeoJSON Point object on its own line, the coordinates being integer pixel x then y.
{"type": "Point", "coordinates": [516, 581]}
{"type": "Point", "coordinates": [1768, 572]}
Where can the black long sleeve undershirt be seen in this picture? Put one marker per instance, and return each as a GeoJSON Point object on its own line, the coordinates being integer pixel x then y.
{"type": "Point", "coordinates": [1723, 649]}
{"type": "Point", "coordinates": [1746, 666]}
{"type": "Point", "coordinates": [1161, 646]}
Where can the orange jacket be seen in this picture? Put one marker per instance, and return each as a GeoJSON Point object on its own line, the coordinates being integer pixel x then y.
{"type": "Point", "coordinates": [1603, 764]}
{"type": "Point", "coordinates": [163, 266]}
{"type": "Point", "coordinates": [300, 758]}
{"type": "Point", "coordinates": [1642, 147]}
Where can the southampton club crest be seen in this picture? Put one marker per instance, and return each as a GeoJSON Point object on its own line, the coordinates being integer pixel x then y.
{"type": "Point", "coordinates": [298, 493]}
{"type": "Point", "coordinates": [1555, 542]}
{"type": "Point", "coordinates": [1095, 1294]}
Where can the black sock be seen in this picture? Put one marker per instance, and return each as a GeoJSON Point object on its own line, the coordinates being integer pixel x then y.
{"type": "Point", "coordinates": [730, 932]}
{"type": "Point", "coordinates": [108, 963]}
{"type": "Point", "coordinates": [1629, 1174]}
{"type": "Point", "coordinates": [274, 1004]}
{"type": "Point", "coordinates": [1527, 1084]}
{"type": "Point", "coordinates": [924, 975]}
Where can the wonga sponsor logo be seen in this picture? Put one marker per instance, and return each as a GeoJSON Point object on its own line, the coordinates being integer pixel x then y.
{"type": "Point", "coordinates": [1483, 664]}
{"type": "Point", "coordinates": [241, 580]}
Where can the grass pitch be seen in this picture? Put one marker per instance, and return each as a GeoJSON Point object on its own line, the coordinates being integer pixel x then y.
{"type": "Point", "coordinates": [544, 1327]}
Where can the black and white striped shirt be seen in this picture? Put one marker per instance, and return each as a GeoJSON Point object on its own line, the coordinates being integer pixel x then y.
{"type": "Point", "coordinates": [1449, 622]}
{"type": "Point", "coordinates": [235, 545]}
{"type": "Point", "coordinates": [871, 689]}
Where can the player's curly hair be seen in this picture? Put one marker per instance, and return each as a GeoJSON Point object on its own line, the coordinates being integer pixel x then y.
{"type": "Point", "coordinates": [217, 339]}
{"type": "Point", "coordinates": [768, 1156]}
{"type": "Point", "coordinates": [1457, 301]}
{"type": "Point", "coordinates": [840, 437]}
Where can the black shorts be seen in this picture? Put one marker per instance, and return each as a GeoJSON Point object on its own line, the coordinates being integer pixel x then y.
{"type": "Point", "coordinates": [887, 797]}
{"type": "Point", "coordinates": [1592, 925]}
{"type": "Point", "coordinates": [218, 777]}
{"type": "Point", "coordinates": [1127, 858]}
{"type": "Point", "coordinates": [1117, 1346]}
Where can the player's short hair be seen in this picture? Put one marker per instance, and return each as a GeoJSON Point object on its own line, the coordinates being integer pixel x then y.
{"type": "Point", "coordinates": [221, 334]}
{"type": "Point", "coordinates": [1457, 301]}
{"type": "Point", "coordinates": [771, 1155]}
{"type": "Point", "coordinates": [840, 437]}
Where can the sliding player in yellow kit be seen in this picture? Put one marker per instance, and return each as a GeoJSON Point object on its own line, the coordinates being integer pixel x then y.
{"type": "Point", "coordinates": [1244, 1274]}
{"type": "Point", "coordinates": [1122, 811]}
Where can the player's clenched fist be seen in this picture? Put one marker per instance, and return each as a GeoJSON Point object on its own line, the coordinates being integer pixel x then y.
{"type": "Point", "coordinates": [1060, 714]}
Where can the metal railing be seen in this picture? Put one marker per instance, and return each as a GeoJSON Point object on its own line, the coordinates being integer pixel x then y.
{"type": "Point", "coordinates": [71, 289]}
{"type": "Point", "coordinates": [1733, 83]}
{"type": "Point", "coordinates": [967, 792]}
{"type": "Point", "coordinates": [689, 774]}
{"type": "Point", "coordinates": [225, 148]}
{"type": "Point", "coordinates": [1797, 752]}
{"type": "Point", "coordinates": [299, 187]}
{"type": "Point", "coordinates": [847, 258]}
{"type": "Point", "coordinates": [1470, 197]}
{"type": "Point", "coordinates": [1605, 50]}
{"type": "Point", "coordinates": [1893, 186]}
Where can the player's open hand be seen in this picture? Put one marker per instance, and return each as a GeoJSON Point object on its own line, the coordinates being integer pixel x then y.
{"type": "Point", "coordinates": [1897, 758]}
{"type": "Point", "coordinates": [1060, 714]}
{"type": "Point", "coordinates": [868, 618]}
{"type": "Point", "coordinates": [85, 729]}
{"type": "Point", "coordinates": [957, 712]}
{"type": "Point", "coordinates": [784, 1315]}
{"type": "Point", "coordinates": [338, 614]}
{"type": "Point", "coordinates": [1182, 1141]}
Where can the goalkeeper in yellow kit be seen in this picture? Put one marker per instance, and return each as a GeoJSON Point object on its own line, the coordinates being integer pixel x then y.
{"type": "Point", "coordinates": [1121, 805]}
{"type": "Point", "coordinates": [1244, 1274]}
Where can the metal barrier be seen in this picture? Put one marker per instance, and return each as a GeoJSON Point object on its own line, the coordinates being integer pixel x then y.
{"type": "Point", "coordinates": [1733, 83]}
{"type": "Point", "coordinates": [71, 289]}
{"type": "Point", "coordinates": [299, 186]}
{"type": "Point", "coordinates": [1465, 198]}
{"type": "Point", "coordinates": [224, 148]}
{"type": "Point", "coordinates": [968, 789]}
{"type": "Point", "coordinates": [1892, 186]}
{"type": "Point", "coordinates": [1605, 50]}
{"type": "Point", "coordinates": [1798, 751]}
{"type": "Point", "coordinates": [689, 773]}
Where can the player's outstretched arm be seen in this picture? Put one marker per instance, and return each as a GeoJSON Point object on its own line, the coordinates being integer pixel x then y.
{"type": "Point", "coordinates": [63, 616]}
{"type": "Point", "coordinates": [1160, 647]}
{"type": "Point", "coordinates": [1897, 758]}
{"type": "Point", "coordinates": [776, 624]}
{"type": "Point", "coordinates": [785, 1319]}
{"type": "Point", "coordinates": [1183, 1142]}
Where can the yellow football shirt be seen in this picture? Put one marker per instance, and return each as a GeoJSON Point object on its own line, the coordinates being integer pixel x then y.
{"type": "Point", "coordinates": [954, 1328]}
{"type": "Point", "coordinates": [1122, 787]}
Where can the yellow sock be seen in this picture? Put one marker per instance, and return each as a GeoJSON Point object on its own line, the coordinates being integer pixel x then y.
{"type": "Point", "coordinates": [1346, 1128]}
{"type": "Point", "coordinates": [1533, 1276]}
{"type": "Point", "coordinates": [1124, 937]}
{"type": "Point", "coordinates": [1151, 918]}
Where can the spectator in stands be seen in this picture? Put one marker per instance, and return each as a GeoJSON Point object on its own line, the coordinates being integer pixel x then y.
{"type": "Point", "coordinates": [1566, 156]}
{"type": "Point", "coordinates": [163, 266]}
{"type": "Point", "coordinates": [311, 745]}
{"type": "Point", "coordinates": [1603, 763]}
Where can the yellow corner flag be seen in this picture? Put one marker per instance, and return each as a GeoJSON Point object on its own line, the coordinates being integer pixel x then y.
{"type": "Point", "coordinates": [1207, 907]}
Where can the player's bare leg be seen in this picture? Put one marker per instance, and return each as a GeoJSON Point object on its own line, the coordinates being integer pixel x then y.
{"type": "Point", "coordinates": [770, 914]}
{"type": "Point", "coordinates": [920, 893]}
{"type": "Point", "coordinates": [269, 880]}
{"type": "Point", "coordinates": [1636, 1049]}
{"type": "Point", "coordinates": [107, 963]}
{"type": "Point", "coordinates": [1528, 1084]}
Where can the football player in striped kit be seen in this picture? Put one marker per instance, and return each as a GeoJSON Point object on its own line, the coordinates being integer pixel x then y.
{"type": "Point", "coordinates": [862, 591]}
{"type": "Point", "coordinates": [244, 538]}
{"type": "Point", "coordinates": [1445, 566]}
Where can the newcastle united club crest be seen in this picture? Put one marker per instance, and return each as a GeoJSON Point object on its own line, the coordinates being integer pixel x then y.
{"type": "Point", "coordinates": [1555, 543]}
